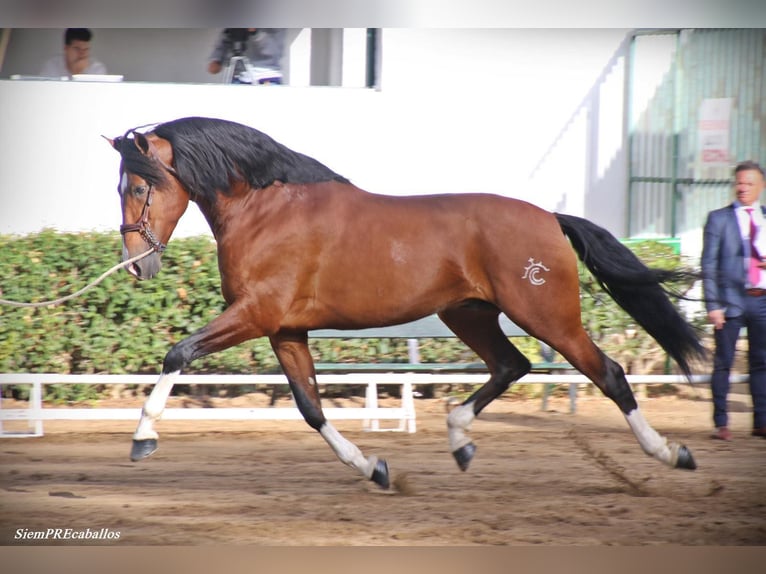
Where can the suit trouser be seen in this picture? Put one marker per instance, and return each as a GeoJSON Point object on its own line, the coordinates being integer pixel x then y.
{"type": "Point", "coordinates": [754, 319]}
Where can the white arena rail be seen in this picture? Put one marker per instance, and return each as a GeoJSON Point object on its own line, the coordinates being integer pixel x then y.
{"type": "Point", "coordinates": [371, 414]}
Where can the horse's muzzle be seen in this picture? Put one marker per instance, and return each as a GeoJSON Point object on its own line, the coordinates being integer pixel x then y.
{"type": "Point", "coordinates": [144, 268]}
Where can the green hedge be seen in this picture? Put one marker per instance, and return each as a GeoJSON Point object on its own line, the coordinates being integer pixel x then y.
{"type": "Point", "coordinates": [120, 326]}
{"type": "Point", "coordinates": [127, 326]}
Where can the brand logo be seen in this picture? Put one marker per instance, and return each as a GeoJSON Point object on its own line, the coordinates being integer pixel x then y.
{"type": "Point", "coordinates": [533, 270]}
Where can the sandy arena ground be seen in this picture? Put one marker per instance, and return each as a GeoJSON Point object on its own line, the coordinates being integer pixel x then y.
{"type": "Point", "coordinates": [539, 478]}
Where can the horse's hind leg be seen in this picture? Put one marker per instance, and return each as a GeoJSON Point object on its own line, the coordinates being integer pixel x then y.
{"type": "Point", "coordinates": [293, 353]}
{"type": "Point", "coordinates": [609, 377]}
{"type": "Point", "coordinates": [476, 324]}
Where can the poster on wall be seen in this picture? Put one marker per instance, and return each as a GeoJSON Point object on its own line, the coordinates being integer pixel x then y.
{"type": "Point", "coordinates": [713, 131]}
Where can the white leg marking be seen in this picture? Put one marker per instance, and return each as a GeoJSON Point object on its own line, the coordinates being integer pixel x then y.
{"type": "Point", "coordinates": [458, 422]}
{"type": "Point", "coordinates": [348, 452]}
{"type": "Point", "coordinates": [650, 440]}
{"type": "Point", "coordinates": [153, 407]}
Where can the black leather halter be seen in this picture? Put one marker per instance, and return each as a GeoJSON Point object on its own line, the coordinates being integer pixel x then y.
{"type": "Point", "coordinates": [142, 225]}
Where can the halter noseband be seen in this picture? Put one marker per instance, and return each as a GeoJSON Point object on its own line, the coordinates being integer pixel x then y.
{"type": "Point", "coordinates": [142, 226]}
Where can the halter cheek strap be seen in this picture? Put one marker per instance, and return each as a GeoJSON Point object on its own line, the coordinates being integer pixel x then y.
{"type": "Point", "coordinates": [142, 226]}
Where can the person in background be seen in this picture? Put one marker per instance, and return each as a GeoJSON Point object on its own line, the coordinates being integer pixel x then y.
{"type": "Point", "coordinates": [262, 47]}
{"type": "Point", "coordinates": [734, 284]}
{"type": "Point", "coordinates": [76, 57]}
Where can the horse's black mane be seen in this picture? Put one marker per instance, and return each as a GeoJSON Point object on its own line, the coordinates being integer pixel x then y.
{"type": "Point", "coordinates": [210, 155]}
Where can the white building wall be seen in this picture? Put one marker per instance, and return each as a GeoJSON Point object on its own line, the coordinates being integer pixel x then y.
{"type": "Point", "coordinates": [457, 111]}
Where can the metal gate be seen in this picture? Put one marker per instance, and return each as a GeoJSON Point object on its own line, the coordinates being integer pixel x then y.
{"type": "Point", "coordinates": [696, 106]}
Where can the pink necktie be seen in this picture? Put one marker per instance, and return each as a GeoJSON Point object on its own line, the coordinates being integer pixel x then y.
{"type": "Point", "coordinates": [754, 272]}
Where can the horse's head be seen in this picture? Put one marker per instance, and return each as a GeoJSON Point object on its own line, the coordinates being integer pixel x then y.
{"type": "Point", "coordinates": [152, 197]}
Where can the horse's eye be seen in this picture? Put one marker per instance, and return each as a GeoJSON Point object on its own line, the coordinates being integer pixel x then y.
{"type": "Point", "coordinates": [140, 190]}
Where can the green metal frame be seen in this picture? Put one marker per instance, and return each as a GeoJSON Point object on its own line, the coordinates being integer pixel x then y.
{"type": "Point", "coordinates": [706, 64]}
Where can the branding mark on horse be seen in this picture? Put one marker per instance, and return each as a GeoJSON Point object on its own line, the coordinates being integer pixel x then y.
{"type": "Point", "coordinates": [532, 272]}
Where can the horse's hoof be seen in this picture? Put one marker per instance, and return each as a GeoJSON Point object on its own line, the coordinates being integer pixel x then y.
{"type": "Point", "coordinates": [380, 474]}
{"type": "Point", "coordinates": [464, 455]}
{"type": "Point", "coordinates": [142, 448]}
{"type": "Point", "coordinates": [685, 459]}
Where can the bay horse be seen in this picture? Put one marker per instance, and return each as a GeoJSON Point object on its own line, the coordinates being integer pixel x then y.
{"type": "Point", "coordinates": [300, 248]}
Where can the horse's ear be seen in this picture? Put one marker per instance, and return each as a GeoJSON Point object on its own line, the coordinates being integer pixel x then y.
{"type": "Point", "coordinates": [111, 141]}
{"type": "Point", "coordinates": [142, 143]}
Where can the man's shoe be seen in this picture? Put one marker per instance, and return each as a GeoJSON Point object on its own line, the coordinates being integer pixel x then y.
{"type": "Point", "coordinates": [722, 433]}
{"type": "Point", "coordinates": [760, 431]}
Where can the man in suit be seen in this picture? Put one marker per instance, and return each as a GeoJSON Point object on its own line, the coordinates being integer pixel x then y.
{"type": "Point", "coordinates": [734, 284]}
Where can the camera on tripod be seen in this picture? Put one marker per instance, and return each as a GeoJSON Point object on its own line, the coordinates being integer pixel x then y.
{"type": "Point", "coordinates": [236, 40]}
{"type": "Point", "coordinates": [236, 44]}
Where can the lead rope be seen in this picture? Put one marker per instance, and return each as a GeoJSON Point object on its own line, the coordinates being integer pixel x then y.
{"type": "Point", "coordinates": [84, 289]}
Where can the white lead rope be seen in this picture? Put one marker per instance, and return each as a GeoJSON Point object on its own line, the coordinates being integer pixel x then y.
{"type": "Point", "coordinates": [81, 291]}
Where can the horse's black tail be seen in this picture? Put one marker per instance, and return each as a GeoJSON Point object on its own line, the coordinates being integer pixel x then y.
{"type": "Point", "coordinates": [635, 287]}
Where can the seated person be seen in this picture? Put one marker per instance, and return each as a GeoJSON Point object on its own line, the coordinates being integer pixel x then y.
{"type": "Point", "coordinates": [76, 57]}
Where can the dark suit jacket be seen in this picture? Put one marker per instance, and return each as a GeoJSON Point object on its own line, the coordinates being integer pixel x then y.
{"type": "Point", "coordinates": [723, 262]}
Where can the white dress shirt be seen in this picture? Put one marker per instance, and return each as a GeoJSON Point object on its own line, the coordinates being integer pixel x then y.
{"type": "Point", "coordinates": [743, 218]}
{"type": "Point", "coordinates": [56, 68]}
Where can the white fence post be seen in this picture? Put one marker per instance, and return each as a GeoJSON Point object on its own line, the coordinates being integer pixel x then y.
{"type": "Point", "coordinates": [408, 406]}
{"type": "Point", "coordinates": [36, 407]}
{"type": "Point", "coordinates": [371, 402]}
{"type": "Point", "coordinates": [32, 415]}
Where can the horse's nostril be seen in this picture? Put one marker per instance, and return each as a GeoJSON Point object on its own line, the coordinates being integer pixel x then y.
{"type": "Point", "coordinates": [134, 270]}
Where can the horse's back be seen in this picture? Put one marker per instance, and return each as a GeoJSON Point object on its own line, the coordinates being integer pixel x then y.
{"type": "Point", "coordinates": [461, 210]}
{"type": "Point", "coordinates": [477, 232]}
{"type": "Point", "coordinates": [399, 258]}
{"type": "Point", "coordinates": [486, 225]}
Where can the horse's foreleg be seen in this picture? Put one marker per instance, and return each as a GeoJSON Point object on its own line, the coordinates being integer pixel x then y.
{"type": "Point", "coordinates": [294, 356]}
{"type": "Point", "coordinates": [226, 330]}
{"type": "Point", "coordinates": [372, 467]}
{"type": "Point", "coordinates": [145, 437]}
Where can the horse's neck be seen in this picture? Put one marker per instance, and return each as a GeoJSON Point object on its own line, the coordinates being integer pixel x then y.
{"type": "Point", "coordinates": [212, 217]}
{"type": "Point", "coordinates": [247, 206]}
{"type": "Point", "coordinates": [219, 210]}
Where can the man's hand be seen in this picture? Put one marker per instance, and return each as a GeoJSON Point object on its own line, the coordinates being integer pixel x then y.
{"type": "Point", "coordinates": [214, 67]}
{"type": "Point", "coordinates": [717, 318]}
